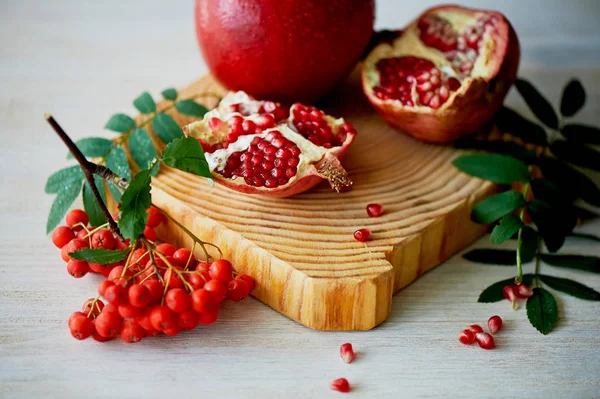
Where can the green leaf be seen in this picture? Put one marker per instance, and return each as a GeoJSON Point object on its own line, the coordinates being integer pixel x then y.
{"type": "Point", "coordinates": [542, 311]}
{"type": "Point", "coordinates": [499, 257]}
{"type": "Point", "coordinates": [493, 293]}
{"type": "Point", "coordinates": [63, 201]}
{"type": "Point", "coordinates": [191, 108]}
{"type": "Point", "coordinates": [114, 191]}
{"type": "Point", "coordinates": [142, 149]}
{"type": "Point", "coordinates": [509, 225]}
{"type": "Point", "coordinates": [120, 123]}
{"type": "Point", "coordinates": [166, 128]}
{"type": "Point", "coordinates": [571, 287]}
{"type": "Point", "coordinates": [118, 163]}
{"type": "Point", "coordinates": [537, 103]}
{"type": "Point", "coordinates": [578, 262]}
{"type": "Point", "coordinates": [581, 133]}
{"type": "Point", "coordinates": [100, 256]}
{"type": "Point", "coordinates": [570, 179]}
{"type": "Point", "coordinates": [145, 103]}
{"type": "Point", "coordinates": [92, 147]}
{"type": "Point", "coordinates": [186, 154]}
{"type": "Point", "coordinates": [499, 169]}
{"type": "Point", "coordinates": [90, 204]}
{"type": "Point", "coordinates": [498, 146]}
{"type": "Point", "coordinates": [169, 94]}
{"type": "Point", "coordinates": [549, 192]}
{"type": "Point", "coordinates": [529, 244]}
{"type": "Point", "coordinates": [493, 208]}
{"type": "Point", "coordinates": [577, 154]}
{"type": "Point", "coordinates": [573, 98]}
{"type": "Point", "coordinates": [63, 179]}
{"type": "Point", "coordinates": [553, 223]}
{"type": "Point", "coordinates": [584, 236]}
{"type": "Point", "coordinates": [508, 121]}
{"type": "Point", "coordinates": [134, 203]}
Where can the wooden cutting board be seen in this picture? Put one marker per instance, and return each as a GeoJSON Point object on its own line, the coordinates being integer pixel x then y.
{"type": "Point", "coordinates": [301, 250]}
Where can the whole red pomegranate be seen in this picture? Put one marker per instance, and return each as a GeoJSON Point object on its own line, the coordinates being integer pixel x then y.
{"type": "Point", "coordinates": [262, 147]}
{"type": "Point", "coordinates": [283, 50]}
{"type": "Point", "coordinates": [445, 75]}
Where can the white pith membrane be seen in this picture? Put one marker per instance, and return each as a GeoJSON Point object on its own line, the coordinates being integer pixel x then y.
{"type": "Point", "coordinates": [409, 44]}
{"type": "Point", "coordinates": [311, 156]}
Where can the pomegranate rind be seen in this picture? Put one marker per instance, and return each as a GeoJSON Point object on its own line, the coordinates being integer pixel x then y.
{"type": "Point", "coordinates": [468, 110]}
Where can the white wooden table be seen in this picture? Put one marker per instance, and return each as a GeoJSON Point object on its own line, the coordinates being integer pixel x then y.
{"type": "Point", "coordinates": [84, 60]}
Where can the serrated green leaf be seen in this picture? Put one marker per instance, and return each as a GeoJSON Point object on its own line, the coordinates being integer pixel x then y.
{"type": "Point", "coordinates": [118, 163]}
{"type": "Point", "coordinates": [553, 223]}
{"type": "Point", "coordinates": [493, 293]}
{"type": "Point", "coordinates": [63, 178]}
{"type": "Point", "coordinates": [92, 147]}
{"type": "Point", "coordinates": [166, 128]}
{"type": "Point", "coordinates": [499, 169]}
{"type": "Point", "coordinates": [114, 192]}
{"type": "Point", "coordinates": [570, 179]}
{"type": "Point", "coordinates": [142, 149]}
{"type": "Point", "coordinates": [498, 257]}
{"type": "Point", "coordinates": [540, 107]}
{"type": "Point", "coordinates": [529, 244]}
{"type": "Point", "coordinates": [493, 208]}
{"type": "Point", "coordinates": [100, 256]}
{"type": "Point", "coordinates": [581, 133]}
{"type": "Point", "coordinates": [509, 225]}
{"type": "Point", "coordinates": [145, 103]}
{"type": "Point", "coordinates": [186, 154]}
{"type": "Point", "coordinates": [498, 146]}
{"type": "Point", "coordinates": [508, 121]}
{"type": "Point", "coordinates": [190, 108]}
{"type": "Point", "coordinates": [578, 262]}
{"type": "Point", "coordinates": [120, 123]}
{"type": "Point", "coordinates": [169, 94]}
{"type": "Point", "coordinates": [571, 287]}
{"type": "Point", "coordinates": [573, 98]}
{"type": "Point", "coordinates": [577, 154]}
{"type": "Point", "coordinates": [542, 310]}
{"type": "Point", "coordinates": [134, 203]}
{"type": "Point", "coordinates": [90, 205]}
{"type": "Point", "coordinates": [63, 201]}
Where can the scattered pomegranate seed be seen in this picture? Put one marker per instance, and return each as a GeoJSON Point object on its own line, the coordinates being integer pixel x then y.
{"type": "Point", "coordinates": [374, 210]}
{"type": "Point", "coordinates": [362, 235]}
{"type": "Point", "coordinates": [523, 291]}
{"type": "Point", "coordinates": [475, 328]}
{"type": "Point", "coordinates": [485, 340]}
{"type": "Point", "coordinates": [494, 324]}
{"type": "Point", "coordinates": [341, 385]}
{"type": "Point", "coordinates": [467, 337]}
{"type": "Point", "coordinates": [510, 293]}
{"type": "Point", "coordinates": [347, 353]}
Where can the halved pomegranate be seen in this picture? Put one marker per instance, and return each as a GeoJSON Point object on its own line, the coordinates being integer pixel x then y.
{"type": "Point", "coordinates": [262, 147]}
{"type": "Point", "coordinates": [445, 75]}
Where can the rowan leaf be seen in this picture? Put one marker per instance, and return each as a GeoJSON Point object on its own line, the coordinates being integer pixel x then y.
{"type": "Point", "coordinates": [538, 104]}
{"type": "Point", "coordinates": [166, 128]}
{"type": "Point", "coordinates": [499, 147]}
{"type": "Point", "coordinates": [186, 154]}
{"type": "Point", "coordinates": [571, 287]}
{"type": "Point", "coordinates": [63, 178]}
{"type": "Point", "coordinates": [92, 147]}
{"type": "Point", "coordinates": [570, 179]}
{"type": "Point", "coordinates": [509, 121]}
{"type": "Point", "coordinates": [190, 108]}
{"type": "Point", "coordinates": [576, 153]}
{"type": "Point", "coordinates": [573, 98]}
{"type": "Point", "coordinates": [142, 149]}
{"type": "Point", "coordinates": [90, 205]}
{"type": "Point", "coordinates": [553, 223]}
{"type": "Point", "coordinates": [100, 256]}
{"type": "Point", "coordinates": [117, 162]}
{"type": "Point", "coordinates": [114, 192]}
{"type": "Point", "coordinates": [145, 103]}
{"type": "Point", "coordinates": [493, 208]}
{"type": "Point", "coordinates": [134, 202]}
{"type": "Point", "coordinates": [509, 225]}
{"type": "Point", "coordinates": [501, 169]}
{"type": "Point", "coordinates": [542, 310]}
{"type": "Point", "coordinates": [169, 94]}
{"type": "Point", "coordinates": [120, 123]}
{"type": "Point", "coordinates": [63, 201]}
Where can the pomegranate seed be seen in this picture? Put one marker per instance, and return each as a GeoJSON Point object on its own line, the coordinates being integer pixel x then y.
{"type": "Point", "coordinates": [523, 291]}
{"type": "Point", "coordinates": [485, 340]}
{"type": "Point", "coordinates": [374, 210]}
{"type": "Point", "coordinates": [510, 293]}
{"type": "Point", "coordinates": [494, 324]}
{"type": "Point", "coordinates": [475, 328]}
{"type": "Point", "coordinates": [347, 353]}
{"type": "Point", "coordinates": [341, 385]}
{"type": "Point", "coordinates": [362, 235]}
{"type": "Point", "coordinates": [467, 337]}
{"type": "Point", "coordinates": [215, 123]}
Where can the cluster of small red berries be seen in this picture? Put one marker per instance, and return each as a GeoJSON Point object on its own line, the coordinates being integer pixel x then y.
{"type": "Point", "coordinates": [373, 210]}
{"type": "Point", "coordinates": [514, 293]}
{"type": "Point", "coordinates": [475, 333]}
{"type": "Point", "coordinates": [158, 289]}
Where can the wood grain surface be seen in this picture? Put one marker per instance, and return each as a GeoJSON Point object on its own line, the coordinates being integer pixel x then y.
{"type": "Point", "coordinates": [83, 61]}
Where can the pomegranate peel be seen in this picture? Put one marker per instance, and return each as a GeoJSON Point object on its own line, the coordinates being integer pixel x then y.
{"type": "Point", "coordinates": [445, 75]}
{"type": "Point", "coordinates": [260, 147]}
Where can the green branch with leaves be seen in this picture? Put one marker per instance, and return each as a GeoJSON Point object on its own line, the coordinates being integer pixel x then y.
{"type": "Point", "coordinates": [549, 171]}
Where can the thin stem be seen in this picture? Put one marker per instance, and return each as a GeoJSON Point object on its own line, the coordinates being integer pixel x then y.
{"type": "Point", "coordinates": [87, 168]}
{"type": "Point", "coordinates": [519, 277]}
{"type": "Point", "coordinates": [537, 263]}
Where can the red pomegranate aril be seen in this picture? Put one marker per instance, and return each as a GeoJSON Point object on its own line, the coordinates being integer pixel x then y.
{"type": "Point", "coordinates": [265, 121]}
{"type": "Point", "coordinates": [341, 385]}
{"type": "Point", "coordinates": [467, 337]}
{"type": "Point", "coordinates": [347, 353]}
{"type": "Point", "coordinates": [475, 328]}
{"type": "Point", "coordinates": [494, 324]}
{"type": "Point", "coordinates": [510, 293]}
{"type": "Point", "coordinates": [374, 210]}
{"type": "Point", "coordinates": [485, 340]}
{"type": "Point", "coordinates": [523, 291]}
{"type": "Point", "coordinates": [215, 123]}
{"type": "Point", "coordinates": [362, 235]}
